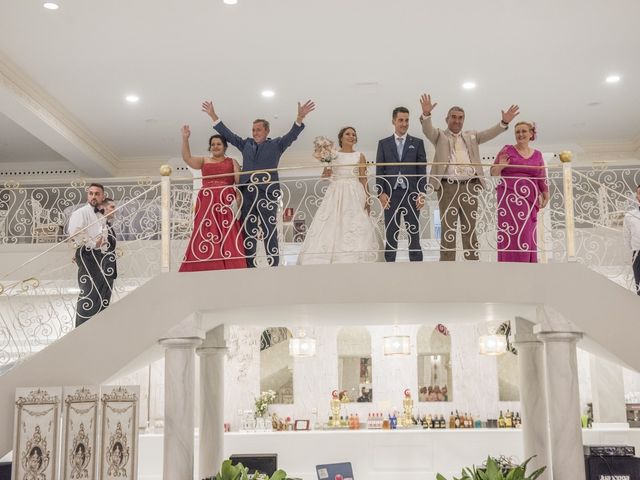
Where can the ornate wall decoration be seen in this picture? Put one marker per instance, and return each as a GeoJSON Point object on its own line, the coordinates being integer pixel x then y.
{"type": "Point", "coordinates": [119, 436]}
{"type": "Point", "coordinates": [35, 443]}
{"type": "Point", "coordinates": [80, 433]}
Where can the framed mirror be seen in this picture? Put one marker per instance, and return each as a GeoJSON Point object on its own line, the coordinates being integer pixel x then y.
{"type": "Point", "coordinates": [434, 364]}
{"type": "Point", "coordinates": [355, 368]}
{"type": "Point", "coordinates": [276, 365]}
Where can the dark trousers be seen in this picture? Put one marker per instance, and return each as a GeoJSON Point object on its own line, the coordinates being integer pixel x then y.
{"type": "Point", "coordinates": [636, 270]}
{"type": "Point", "coordinates": [402, 203]}
{"type": "Point", "coordinates": [92, 283]}
{"type": "Point", "coordinates": [259, 214]}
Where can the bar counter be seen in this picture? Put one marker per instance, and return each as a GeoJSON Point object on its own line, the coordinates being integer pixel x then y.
{"type": "Point", "coordinates": [413, 454]}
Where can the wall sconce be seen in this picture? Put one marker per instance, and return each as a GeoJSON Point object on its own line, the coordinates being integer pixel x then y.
{"type": "Point", "coordinates": [492, 344]}
{"type": "Point", "coordinates": [302, 346]}
{"type": "Point", "coordinates": [396, 344]}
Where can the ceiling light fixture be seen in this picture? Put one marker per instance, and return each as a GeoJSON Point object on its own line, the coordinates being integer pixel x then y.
{"type": "Point", "coordinates": [230, 2]}
{"type": "Point", "coordinates": [396, 345]}
{"type": "Point", "coordinates": [302, 346]}
{"type": "Point", "coordinates": [268, 93]}
{"type": "Point", "coordinates": [492, 344]}
{"type": "Point", "coordinates": [132, 98]}
{"type": "Point", "coordinates": [613, 79]}
{"type": "Point", "coordinates": [51, 6]}
{"type": "Point", "coordinates": [469, 85]}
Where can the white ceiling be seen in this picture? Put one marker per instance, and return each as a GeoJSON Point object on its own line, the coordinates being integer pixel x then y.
{"type": "Point", "coordinates": [357, 59]}
{"type": "Point", "coordinates": [18, 145]}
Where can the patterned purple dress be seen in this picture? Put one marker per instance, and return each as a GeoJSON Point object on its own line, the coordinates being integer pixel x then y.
{"type": "Point", "coordinates": [518, 192]}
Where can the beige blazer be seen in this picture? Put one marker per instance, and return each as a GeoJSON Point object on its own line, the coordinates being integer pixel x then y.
{"type": "Point", "coordinates": [442, 141]}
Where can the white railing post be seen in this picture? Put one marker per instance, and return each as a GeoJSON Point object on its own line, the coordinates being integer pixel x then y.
{"type": "Point", "coordinates": [165, 231]}
{"type": "Point", "coordinates": [567, 182]}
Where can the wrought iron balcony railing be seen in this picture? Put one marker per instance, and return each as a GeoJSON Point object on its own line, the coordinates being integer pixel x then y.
{"type": "Point", "coordinates": [210, 222]}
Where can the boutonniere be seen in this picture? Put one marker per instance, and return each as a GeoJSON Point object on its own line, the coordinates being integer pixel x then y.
{"type": "Point", "coordinates": [411, 146]}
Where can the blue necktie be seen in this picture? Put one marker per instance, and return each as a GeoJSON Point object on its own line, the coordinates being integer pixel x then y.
{"type": "Point", "coordinates": [399, 146]}
{"type": "Point", "coordinates": [400, 179]}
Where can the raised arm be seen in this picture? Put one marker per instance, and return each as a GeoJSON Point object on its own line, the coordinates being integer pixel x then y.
{"type": "Point", "coordinates": [425, 119]}
{"type": "Point", "coordinates": [221, 128]}
{"type": "Point", "coordinates": [193, 162]}
{"type": "Point", "coordinates": [286, 140]}
{"type": "Point", "coordinates": [490, 133]}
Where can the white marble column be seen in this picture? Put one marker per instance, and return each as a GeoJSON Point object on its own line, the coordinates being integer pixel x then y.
{"type": "Point", "coordinates": [211, 448]}
{"type": "Point", "coordinates": [179, 406]}
{"type": "Point", "coordinates": [533, 398]}
{"type": "Point", "coordinates": [563, 403]}
{"type": "Point", "coordinates": [607, 393]}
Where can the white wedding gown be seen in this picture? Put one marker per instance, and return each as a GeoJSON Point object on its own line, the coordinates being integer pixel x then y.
{"type": "Point", "coordinates": [342, 231]}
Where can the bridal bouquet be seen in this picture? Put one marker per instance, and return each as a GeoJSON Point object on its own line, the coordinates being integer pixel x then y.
{"type": "Point", "coordinates": [263, 401]}
{"type": "Point", "coordinates": [324, 150]}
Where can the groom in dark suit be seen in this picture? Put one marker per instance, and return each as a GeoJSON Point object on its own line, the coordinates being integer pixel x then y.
{"type": "Point", "coordinates": [401, 188]}
{"type": "Point", "coordinates": [260, 190]}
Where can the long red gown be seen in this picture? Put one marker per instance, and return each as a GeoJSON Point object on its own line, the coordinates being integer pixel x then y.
{"type": "Point", "coordinates": [216, 242]}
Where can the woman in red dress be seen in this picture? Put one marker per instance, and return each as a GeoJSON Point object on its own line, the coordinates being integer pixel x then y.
{"type": "Point", "coordinates": [216, 241]}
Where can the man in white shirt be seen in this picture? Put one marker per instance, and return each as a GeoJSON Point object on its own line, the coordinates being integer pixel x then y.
{"type": "Point", "coordinates": [631, 234]}
{"type": "Point", "coordinates": [87, 231]}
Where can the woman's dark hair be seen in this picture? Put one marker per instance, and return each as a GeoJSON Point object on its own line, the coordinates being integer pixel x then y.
{"type": "Point", "coordinates": [342, 132]}
{"type": "Point", "coordinates": [222, 139]}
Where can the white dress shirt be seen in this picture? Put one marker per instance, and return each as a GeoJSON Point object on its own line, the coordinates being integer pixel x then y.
{"type": "Point", "coordinates": [459, 154]}
{"type": "Point", "coordinates": [631, 229]}
{"type": "Point", "coordinates": [86, 227]}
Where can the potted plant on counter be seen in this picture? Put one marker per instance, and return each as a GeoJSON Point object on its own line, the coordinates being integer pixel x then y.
{"type": "Point", "coordinates": [500, 468]}
{"type": "Point", "coordinates": [240, 472]}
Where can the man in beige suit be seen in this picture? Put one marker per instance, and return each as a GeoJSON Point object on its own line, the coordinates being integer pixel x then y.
{"type": "Point", "coordinates": [457, 175]}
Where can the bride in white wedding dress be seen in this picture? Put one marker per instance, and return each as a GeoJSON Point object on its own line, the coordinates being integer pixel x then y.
{"type": "Point", "coordinates": [342, 230]}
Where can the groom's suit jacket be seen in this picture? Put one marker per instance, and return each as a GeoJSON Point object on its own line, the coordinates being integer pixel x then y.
{"type": "Point", "coordinates": [412, 152]}
{"type": "Point", "coordinates": [442, 140]}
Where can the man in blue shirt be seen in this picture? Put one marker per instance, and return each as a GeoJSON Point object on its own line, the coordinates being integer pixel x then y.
{"type": "Point", "coordinates": [260, 190]}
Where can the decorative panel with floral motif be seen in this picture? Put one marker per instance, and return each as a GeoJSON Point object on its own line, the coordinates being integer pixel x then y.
{"type": "Point", "coordinates": [119, 437]}
{"type": "Point", "coordinates": [36, 433]}
{"type": "Point", "coordinates": [79, 433]}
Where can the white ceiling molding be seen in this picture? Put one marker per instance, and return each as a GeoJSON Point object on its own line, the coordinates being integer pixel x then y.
{"type": "Point", "coordinates": [33, 109]}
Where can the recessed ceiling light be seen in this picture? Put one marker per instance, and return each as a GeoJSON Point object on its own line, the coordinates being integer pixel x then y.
{"type": "Point", "coordinates": [51, 6]}
{"type": "Point", "coordinates": [268, 93]}
{"type": "Point", "coordinates": [230, 2]}
{"type": "Point", "coordinates": [613, 79]}
{"type": "Point", "coordinates": [132, 98]}
{"type": "Point", "coordinates": [469, 85]}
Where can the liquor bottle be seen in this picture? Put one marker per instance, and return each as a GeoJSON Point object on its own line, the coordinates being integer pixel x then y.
{"type": "Point", "coordinates": [452, 420]}
{"type": "Point", "coordinates": [443, 423]}
{"type": "Point", "coordinates": [508, 420]}
{"type": "Point", "coordinates": [501, 423]}
{"type": "Point", "coordinates": [357, 422]}
{"type": "Point", "coordinates": [457, 420]}
{"type": "Point", "coordinates": [428, 422]}
{"type": "Point", "coordinates": [343, 422]}
{"type": "Point", "coordinates": [471, 421]}
{"type": "Point", "coordinates": [385, 424]}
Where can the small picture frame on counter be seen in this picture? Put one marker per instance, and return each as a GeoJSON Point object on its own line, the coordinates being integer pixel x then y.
{"type": "Point", "coordinates": [301, 425]}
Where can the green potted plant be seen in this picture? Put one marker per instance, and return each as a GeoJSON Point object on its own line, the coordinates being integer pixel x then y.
{"type": "Point", "coordinates": [500, 468]}
{"type": "Point", "coordinates": [240, 472]}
